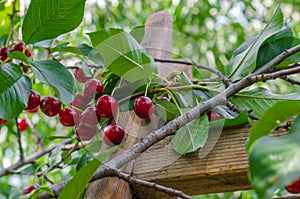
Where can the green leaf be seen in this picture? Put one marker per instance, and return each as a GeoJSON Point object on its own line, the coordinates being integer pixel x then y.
{"type": "Point", "coordinates": [241, 119]}
{"type": "Point", "coordinates": [138, 33]}
{"type": "Point", "coordinates": [122, 55]}
{"type": "Point", "coordinates": [82, 162]}
{"type": "Point", "coordinates": [18, 55]}
{"type": "Point", "coordinates": [260, 99]}
{"type": "Point", "coordinates": [86, 70]}
{"type": "Point", "coordinates": [35, 193]}
{"type": "Point", "coordinates": [274, 161]}
{"type": "Point", "coordinates": [166, 110]}
{"type": "Point", "coordinates": [273, 46]}
{"type": "Point", "coordinates": [192, 136]}
{"type": "Point", "coordinates": [14, 90]}
{"type": "Point", "coordinates": [56, 75]}
{"type": "Point", "coordinates": [76, 186]}
{"type": "Point", "coordinates": [244, 58]}
{"type": "Point", "coordinates": [47, 19]}
{"type": "Point", "coordinates": [271, 119]}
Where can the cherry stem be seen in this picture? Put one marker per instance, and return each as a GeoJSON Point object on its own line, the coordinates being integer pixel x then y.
{"type": "Point", "coordinates": [19, 140]}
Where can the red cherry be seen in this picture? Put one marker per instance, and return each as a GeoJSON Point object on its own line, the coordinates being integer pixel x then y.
{"type": "Point", "coordinates": [68, 116]}
{"type": "Point", "coordinates": [29, 189]}
{"type": "Point", "coordinates": [91, 87]}
{"type": "Point", "coordinates": [294, 187]}
{"type": "Point", "coordinates": [84, 132]}
{"type": "Point", "coordinates": [3, 53]}
{"type": "Point", "coordinates": [23, 125]}
{"type": "Point", "coordinates": [50, 106]}
{"type": "Point", "coordinates": [79, 75]}
{"type": "Point", "coordinates": [2, 121]}
{"type": "Point", "coordinates": [113, 133]}
{"type": "Point", "coordinates": [90, 116]}
{"type": "Point", "coordinates": [33, 101]}
{"type": "Point", "coordinates": [107, 106]}
{"type": "Point", "coordinates": [80, 101]}
{"type": "Point", "coordinates": [213, 116]}
{"type": "Point", "coordinates": [143, 107]}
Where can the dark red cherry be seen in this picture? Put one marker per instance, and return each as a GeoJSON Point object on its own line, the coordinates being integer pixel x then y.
{"type": "Point", "coordinates": [68, 116]}
{"type": "Point", "coordinates": [80, 101]}
{"type": "Point", "coordinates": [84, 132]}
{"type": "Point", "coordinates": [3, 53]}
{"type": "Point", "coordinates": [213, 116]}
{"type": "Point", "coordinates": [294, 187]}
{"type": "Point", "coordinates": [2, 121]}
{"type": "Point", "coordinates": [50, 106]}
{"type": "Point", "coordinates": [113, 134]}
{"type": "Point", "coordinates": [34, 101]}
{"type": "Point", "coordinates": [29, 189]}
{"type": "Point", "coordinates": [91, 87]}
{"type": "Point", "coordinates": [143, 107]}
{"type": "Point", "coordinates": [20, 47]}
{"type": "Point", "coordinates": [79, 75]}
{"type": "Point", "coordinates": [107, 106]}
{"type": "Point", "coordinates": [89, 116]}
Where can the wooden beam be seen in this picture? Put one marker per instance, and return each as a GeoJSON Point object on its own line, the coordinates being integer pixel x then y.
{"type": "Point", "coordinates": [220, 166]}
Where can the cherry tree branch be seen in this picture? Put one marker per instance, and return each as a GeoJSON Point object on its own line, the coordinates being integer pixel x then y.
{"type": "Point", "coordinates": [136, 181]}
{"type": "Point", "coordinates": [36, 134]}
{"type": "Point", "coordinates": [171, 127]}
{"type": "Point", "coordinates": [31, 160]}
{"type": "Point", "coordinates": [291, 80]}
{"type": "Point", "coordinates": [19, 140]}
{"type": "Point", "coordinates": [239, 110]}
{"type": "Point", "coordinates": [224, 79]}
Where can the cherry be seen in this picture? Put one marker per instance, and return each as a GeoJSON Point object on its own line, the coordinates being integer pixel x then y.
{"type": "Point", "coordinates": [20, 47]}
{"type": "Point", "coordinates": [79, 75]}
{"type": "Point", "coordinates": [90, 116]}
{"type": "Point", "coordinates": [68, 116]}
{"type": "Point", "coordinates": [143, 107]}
{"type": "Point", "coordinates": [84, 132]}
{"type": "Point", "coordinates": [2, 121]}
{"type": "Point", "coordinates": [213, 116]}
{"type": "Point", "coordinates": [80, 101]}
{"type": "Point", "coordinates": [23, 125]}
{"type": "Point", "coordinates": [91, 87]}
{"type": "Point", "coordinates": [29, 189]}
{"type": "Point", "coordinates": [113, 133]}
{"type": "Point", "coordinates": [50, 106]}
{"type": "Point", "coordinates": [294, 187]}
{"type": "Point", "coordinates": [33, 101]}
{"type": "Point", "coordinates": [107, 106]}
{"type": "Point", "coordinates": [3, 53]}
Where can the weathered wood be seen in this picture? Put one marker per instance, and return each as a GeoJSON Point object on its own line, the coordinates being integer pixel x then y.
{"type": "Point", "coordinates": [157, 41]}
{"type": "Point", "coordinates": [223, 169]}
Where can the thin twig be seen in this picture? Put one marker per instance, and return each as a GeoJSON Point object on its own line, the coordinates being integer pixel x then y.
{"type": "Point", "coordinates": [31, 160]}
{"type": "Point", "coordinates": [19, 141]}
{"type": "Point", "coordinates": [136, 181]}
{"type": "Point", "coordinates": [291, 80]}
{"type": "Point", "coordinates": [12, 25]}
{"type": "Point", "coordinates": [224, 79]}
{"type": "Point", "coordinates": [36, 134]}
{"type": "Point", "coordinates": [239, 110]}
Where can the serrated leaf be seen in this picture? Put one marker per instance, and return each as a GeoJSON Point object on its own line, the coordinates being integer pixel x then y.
{"type": "Point", "coordinates": [274, 161]}
{"type": "Point", "coordinates": [47, 19]}
{"type": "Point", "coordinates": [122, 55]}
{"type": "Point", "coordinates": [260, 99]}
{"type": "Point", "coordinates": [271, 119]}
{"type": "Point", "coordinates": [14, 91]}
{"type": "Point", "coordinates": [76, 186]}
{"type": "Point", "coordinates": [192, 136]}
{"type": "Point", "coordinates": [241, 119]}
{"type": "Point", "coordinates": [56, 75]}
{"type": "Point", "coordinates": [243, 62]}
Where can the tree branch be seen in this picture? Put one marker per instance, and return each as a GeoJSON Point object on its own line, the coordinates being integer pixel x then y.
{"type": "Point", "coordinates": [37, 135]}
{"type": "Point", "coordinates": [31, 160]}
{"type": "Point", "coordinates": [19, 141]}
{"type": "Point", "coordinates": [135, 181]}
{"type": "Point", "coordinates": [224, 79]}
